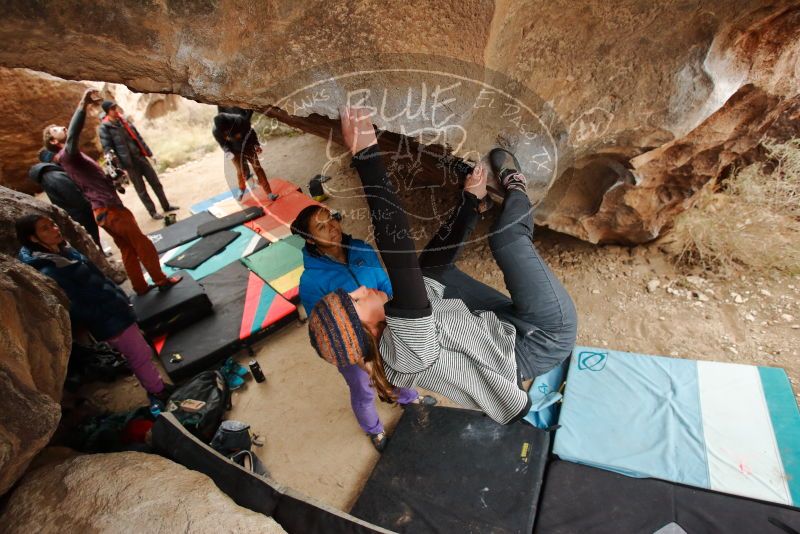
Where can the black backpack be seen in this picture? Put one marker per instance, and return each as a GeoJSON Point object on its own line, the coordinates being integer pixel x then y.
{"type": "Point", "coordinates": [209, 387]}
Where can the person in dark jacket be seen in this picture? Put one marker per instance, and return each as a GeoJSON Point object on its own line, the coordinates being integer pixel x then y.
{"type": "Point", "coordinates": [334, 261]}
{"type": "Point", "coordinates": [240, 143]}
{"type": "Point", "coordinates": [121, 139]}
{"type": "Point", "coordinates": [96, 302]}
{"type": "Point", "coordinates": [63, 193]}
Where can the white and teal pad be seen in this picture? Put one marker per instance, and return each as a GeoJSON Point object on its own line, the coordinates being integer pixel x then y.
{"type": "Point", "coordinates": [721, 426]}
{"type": "Point", "coordinates": [247, 243]}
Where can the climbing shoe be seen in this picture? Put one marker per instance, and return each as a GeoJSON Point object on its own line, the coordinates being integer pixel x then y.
{"type": "Point", "coordinates": [507, 170]}
{"type": "Point", "coordinates": [379, 441]}
{"type": "Point", "coordinates": [425, 400]}
{"type": "Point", "coordinates": [171, 281]}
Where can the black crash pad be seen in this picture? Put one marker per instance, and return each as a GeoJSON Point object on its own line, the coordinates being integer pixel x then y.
{"type": "Point", "coordinates": [245, 310]}
{"type": "Point", "coordinates": [456, 470]}
{"type": "Point", "coordinates": [294, 512]}
{"type": "Point", "coordinates": [208, 246]}
{"type": "Point", "coordinates": [578, 499]}
{"type": "Point", "coordinates": [179, 233]}
{"type": "Point", "coordinates": [229, 221]}
{"type": "Point", "coordinates": [159, 312]}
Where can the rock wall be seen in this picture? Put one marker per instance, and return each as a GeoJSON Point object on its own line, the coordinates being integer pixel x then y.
{"type": "Point", "coordinates": [125, 492]}
{"type": "Point", "coordinates": [575, 88]}
{"type": "Point", "coordinates": [35, 342]}
{"type": "Point", "coordinates": [32, 101]}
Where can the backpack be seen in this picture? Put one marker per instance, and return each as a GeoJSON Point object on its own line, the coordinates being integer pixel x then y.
{"type": "Point", "coordinates": [209, 387]}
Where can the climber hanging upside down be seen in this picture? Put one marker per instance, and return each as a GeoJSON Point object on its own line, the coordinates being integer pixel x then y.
{"type": "Point", "coordinates": [442, 330]}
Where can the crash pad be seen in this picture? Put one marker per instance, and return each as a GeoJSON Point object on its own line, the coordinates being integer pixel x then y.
{"type": "Point", "coordinates": [244, 245]}
{"type": "Point", "coordinates": [229, 221]}
{"type": "Point", "coordinates": [280, 265]}
{"type": "Point", "coordinates": [245, 309]}
{"type": "Point", "coordinates": [727, 427]}
{"type": "Point", "coordinates": [456, 470]}
{"type": "Point", "coordinates": [202, 250]}
{"type": "Point", "coordinates": [180, 232]}
{"type": "Point", "coordinates": [158, 312]}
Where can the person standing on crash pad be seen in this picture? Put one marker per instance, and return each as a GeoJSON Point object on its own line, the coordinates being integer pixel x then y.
{"type": "Point", "coordinates": [334, 261]}
{"type": "Point", "coordinates": [96, 302]}
{"type": "Point", "coordinates": [109, 212]}
{"type": "Point", "coordinates": [240, 143]}
{"type": "Point", "coordinates": [117, 135]}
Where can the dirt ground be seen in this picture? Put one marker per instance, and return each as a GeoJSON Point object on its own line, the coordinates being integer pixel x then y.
{"type": "Point", "coordinates": [630, 299]}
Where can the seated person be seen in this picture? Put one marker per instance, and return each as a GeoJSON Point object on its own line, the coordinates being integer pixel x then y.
{"type": "Point", "coordinates": [333, 260]}
{"type": "Point", "coordinates": [96, 302]}
{"type": "Point", "coordinates": [443, 330]}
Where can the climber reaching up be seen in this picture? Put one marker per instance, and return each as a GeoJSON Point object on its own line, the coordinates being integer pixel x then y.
{"type": "Point", "coordinates": [442, 330]}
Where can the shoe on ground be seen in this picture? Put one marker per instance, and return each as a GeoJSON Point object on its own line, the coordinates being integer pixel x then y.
{"type": "Point", "coordinates": [171, 281]}
{"type": "Point", "coordinates": [172, 208]}
{"type": "Point", "coordinates": [157, 216]}
{"type": "Point", "coordinates": [425, 400]}
{"type": "Point", "coordinates": [379, 441]}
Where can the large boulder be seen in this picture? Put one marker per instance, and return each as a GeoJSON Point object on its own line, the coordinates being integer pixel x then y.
{"type": "Point", "coordinates": [663, 181]}
{"type": "Point", "coordinates": [14, 204]}
{"type": "Point", "coordinates": [576, 88]}
{"type": "Point", "coordinates": [31, 101]}
{"type": "Point", "coordinates": [35, 343]}
{"type": "Point", "coordinates": [125, 492]}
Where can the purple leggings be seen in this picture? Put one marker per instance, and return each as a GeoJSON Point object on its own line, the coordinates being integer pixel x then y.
{"type": "Point", "coordinates": [362, 398]}
{"type": "Point", "coordinates": [132, 345]}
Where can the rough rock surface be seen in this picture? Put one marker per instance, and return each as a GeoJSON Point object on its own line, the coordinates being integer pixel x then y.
{"type": "Point", "coordinates": [14, 204]}
{"type": "Point", "coordinates": [35, 342]}
{"type": "Point", "coordinates": [31, 101]}
{"type": "Point", "coordinates": [125, 492]}
{"type": "Point", "coordinates": [667, 177]}
{"type": "Point", "coordinates": [584, 87]}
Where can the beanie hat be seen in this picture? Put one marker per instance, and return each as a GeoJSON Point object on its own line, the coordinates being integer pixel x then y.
{"type": "Point", "coordinates": [336, 331]}
{"type": "Point", "coordinates": [107, 104]}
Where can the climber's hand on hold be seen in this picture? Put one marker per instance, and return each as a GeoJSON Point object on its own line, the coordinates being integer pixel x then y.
{"type": "Point", "coordinates": [357, 129]}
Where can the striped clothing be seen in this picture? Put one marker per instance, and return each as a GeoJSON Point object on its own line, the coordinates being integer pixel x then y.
{"type": "Point", "coordinates": [467, 357]}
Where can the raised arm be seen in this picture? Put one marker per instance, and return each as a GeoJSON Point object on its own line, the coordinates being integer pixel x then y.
{"type": "Point", "coordinates": [76, 124]}
{"type": "Point", "coordinates": [389, 222]}
{"type": "Point", "coordinates": [444, 247]}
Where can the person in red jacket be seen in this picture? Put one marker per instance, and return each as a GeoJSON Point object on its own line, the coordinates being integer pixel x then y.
{"type": "Point", "coordinates": [109, 212]}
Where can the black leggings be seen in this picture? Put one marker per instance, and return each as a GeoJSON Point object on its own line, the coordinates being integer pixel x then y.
{"type": "Point", "coordinates": [392, 234]}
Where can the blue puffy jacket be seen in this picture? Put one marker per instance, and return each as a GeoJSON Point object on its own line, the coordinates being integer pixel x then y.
{"type": "Point", "coordinates": [323, 274]}
{"type": "Point", "coordinates": [96, 302]}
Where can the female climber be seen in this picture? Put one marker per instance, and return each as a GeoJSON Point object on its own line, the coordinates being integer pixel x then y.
{"type": "Point", "coordinates": [96, 302]}
{"type": "Point", "coordinates": [334, 260]}
{"type": "Point", "coordinates": [443, 330]}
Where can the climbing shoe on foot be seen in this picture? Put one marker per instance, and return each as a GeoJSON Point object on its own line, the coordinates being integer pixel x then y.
{"type": "Point", "coordinates": [379, 441]}
{"type": "Point", "coordinates": [507, 170]}
{"type": "Point", "coordinates": [171, 281]}
{"type": "Point", "coordinates": [425, 400]}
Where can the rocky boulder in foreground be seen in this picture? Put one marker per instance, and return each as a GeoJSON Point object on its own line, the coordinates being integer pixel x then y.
{"type": "Point", "coordinates": [125, 492]}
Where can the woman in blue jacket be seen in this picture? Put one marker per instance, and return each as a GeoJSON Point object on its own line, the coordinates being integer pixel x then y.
{"type": "Point", "coordinates": [334, 260]}
{"type": "Point", "coordinates": [96, 302]}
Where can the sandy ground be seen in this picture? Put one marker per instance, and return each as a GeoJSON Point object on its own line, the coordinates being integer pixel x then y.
{"type": "Point", "coordinates": [313, 443]}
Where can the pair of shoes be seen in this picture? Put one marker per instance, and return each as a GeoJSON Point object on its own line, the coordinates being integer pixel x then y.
{"type": "Point", "coordinates": [234, 373]}
{"type": "Point", "coordinates": [426, 400]}
{"type": "Point", "coordinates": [171, 281]}
{"type": "Point", "coordinates": [172, 208]}
{"type": "Point", "coordinates": [379, 441]}
{"type": "Point", "coordinates": [507, 170]}
{"type": "Point", "coordinates": [157, 216]}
